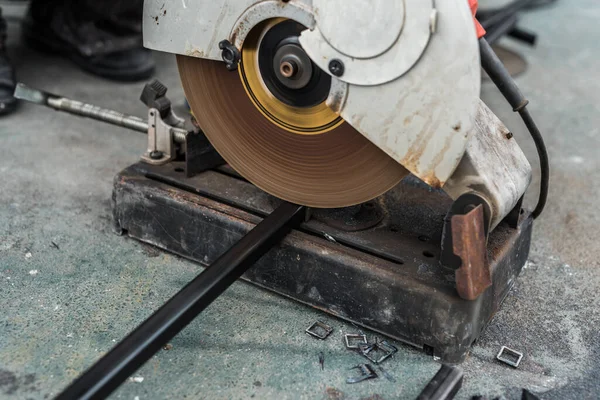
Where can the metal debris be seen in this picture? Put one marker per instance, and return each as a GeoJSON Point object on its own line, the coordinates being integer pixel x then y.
{"type": "Point", "coordinates": [352, 343]}
{"type": "Point", "coordinates": [55, 245]}
{"type": "Point", "coordinates": [386, 374]}
{"type": "Point", "coordinates": [329, 237]}
{"type": "Point", "coordinates": [322, 360]}
{"type": "Point", "coordinates": [167, 346]}
{"type": "Point", "coordinates": [527, 395]}
{"type": "Point", "coordinates": [510, 356]}
{"type": "Point", "coordinates": [378, 352]}
{"type": "Point", "coordinates": [320, 330]}
{"type": "Point", "coordinates": [366, 372]}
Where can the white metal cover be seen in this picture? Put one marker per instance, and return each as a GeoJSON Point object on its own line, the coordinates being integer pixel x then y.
{"type": "Point", "coordinates": [423, 119]}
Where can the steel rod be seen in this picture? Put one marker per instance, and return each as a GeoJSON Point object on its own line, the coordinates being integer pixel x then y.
{"type": "Point", "coordinates": [444, 385]}
{"type": "Point", "coordinates": [501, 29]}
{"type": "Point", "coordinates": [140, 345]}
{"type": "Point", "coordinates": [493, 17]}
{"type": "Point", "coordinates": [75, 107]}
{"type": "Point", "coordinates": [98, 113]}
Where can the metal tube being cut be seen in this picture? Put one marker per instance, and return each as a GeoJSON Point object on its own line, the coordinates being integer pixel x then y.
{"type": "Point", "coordinates": [24, 92]}
{"type": "Point", "coordinates": [131, 353]}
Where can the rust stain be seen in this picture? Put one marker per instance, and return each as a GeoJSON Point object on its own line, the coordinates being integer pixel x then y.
{"type": "Point", "coordinates": [356, 120]}
{"type": "Point", "coordinates": [336, 102]}
{"type": "Point", "coordinates": [416, 150]}
{"type": "Point", "coordinates": [469, 243]}
{"type": "Point", "coordinates": [570, 218]}
{"type": "Point", "coordinates": [195, 53]}
{"type": "Point", "coordinates": [437, 160]}
{"type": "Point", "coordinates": [334, 394]}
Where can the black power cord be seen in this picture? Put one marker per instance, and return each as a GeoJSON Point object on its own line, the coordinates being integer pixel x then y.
{"type": "Point", "coordinates": [503, 21]}
{"type": "Point", "coordinates": [505, 83]}
{"type": "Point", "coordinates": [489, 18]}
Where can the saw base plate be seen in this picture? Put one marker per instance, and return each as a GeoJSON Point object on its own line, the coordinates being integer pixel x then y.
{"type": "Point", "coordinates": [375, 265]}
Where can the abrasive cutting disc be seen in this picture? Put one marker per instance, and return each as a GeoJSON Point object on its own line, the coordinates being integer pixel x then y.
{"type": "Point", "coordinates": [335, 167]}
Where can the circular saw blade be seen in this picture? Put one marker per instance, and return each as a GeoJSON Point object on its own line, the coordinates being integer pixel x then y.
{"type": "Point", "coordinates": [338, 168]}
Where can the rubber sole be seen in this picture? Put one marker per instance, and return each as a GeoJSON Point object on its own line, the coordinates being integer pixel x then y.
{"type": "Point", "coordinates": [8, 106]}
{"type": "Point", "coordinates": [47, 42]}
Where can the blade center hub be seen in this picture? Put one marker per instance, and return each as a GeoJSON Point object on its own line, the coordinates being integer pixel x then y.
{"type": "Point", "coordinates": [292, 66]}
{"type": "Point", "coordinates": [286, 69]}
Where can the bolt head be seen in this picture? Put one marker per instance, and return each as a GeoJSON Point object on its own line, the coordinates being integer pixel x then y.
{"type": "Point", "coordinates": [336, 67]}
{"type": "Point", "coordinates": [156, 155]}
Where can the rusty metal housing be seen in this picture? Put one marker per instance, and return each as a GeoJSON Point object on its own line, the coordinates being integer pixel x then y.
{"type": "Point", "coordinates": [385, 276]}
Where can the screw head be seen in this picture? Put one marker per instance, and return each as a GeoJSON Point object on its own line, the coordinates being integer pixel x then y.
{"type": "Point", "coordinates": [156, 155]}
{"type": "Point", "coordinates": [336, 67]}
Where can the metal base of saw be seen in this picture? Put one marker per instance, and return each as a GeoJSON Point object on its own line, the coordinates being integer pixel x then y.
{"type": "Point", "coordinates": [375, 265]}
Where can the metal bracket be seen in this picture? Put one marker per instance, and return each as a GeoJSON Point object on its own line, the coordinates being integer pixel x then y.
{"type": "Point", "coordinates": [354, 340]}
{"type": "Point", "coordinates": [385, 349]}
{"type": "Point", "coordinates": [366, 372]}
{"type": "Point", "coordinates": [320, 330]}
{"type": "Point", "coordinates": [493, 167]}
{"type": "Point", "coordinates": [200, 155]}
{"type": "Point", "coordinates": [510, 356]}
{"type": "Point", "coordinates": [465, 248]}
{"type": "Point", "coordinates": [162, 139]}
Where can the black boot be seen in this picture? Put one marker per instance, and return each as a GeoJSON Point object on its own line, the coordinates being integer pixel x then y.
{"type": "Point", "coordinates": [7, 75]}
{"type": "Point", "coordinates": [85, 31]}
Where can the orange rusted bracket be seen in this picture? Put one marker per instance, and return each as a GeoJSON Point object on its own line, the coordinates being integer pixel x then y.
{"type": "Point", "coordinates": [469, 244]}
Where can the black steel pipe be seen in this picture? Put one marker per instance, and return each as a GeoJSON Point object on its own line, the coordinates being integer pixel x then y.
{"type": "Point", "coordinates": [444, 385]}
{"type": "Point", "coordinates": [132, 352]}
{"type": "Point", "coordinates": [496, 32]}
{"type": "Point", "coordinates": [523, 35]}
{"type": "Point", "coordinates": [493, 17]}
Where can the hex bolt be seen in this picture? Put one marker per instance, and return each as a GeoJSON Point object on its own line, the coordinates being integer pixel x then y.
{"type": "Point", "coordinates": [336, 67]}
{"type": "Point", "coordinates": [156, 155]}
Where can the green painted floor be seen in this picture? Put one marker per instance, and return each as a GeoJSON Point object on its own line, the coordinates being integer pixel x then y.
{"type": "Point", "coordinates": [70, 288]}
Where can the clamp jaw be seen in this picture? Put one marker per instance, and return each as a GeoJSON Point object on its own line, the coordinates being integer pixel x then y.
{"type": "Point", "coordinates": [165, 129]}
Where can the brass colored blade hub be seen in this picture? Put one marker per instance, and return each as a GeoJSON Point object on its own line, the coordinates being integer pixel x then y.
{"type": "Point", "coordinates": [312, 120]}
{"type": "Point", "coordinates": [313, 158]}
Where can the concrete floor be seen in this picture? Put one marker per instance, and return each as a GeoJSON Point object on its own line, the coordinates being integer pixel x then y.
{"type": "Point", "coordinates": [70, 288]}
